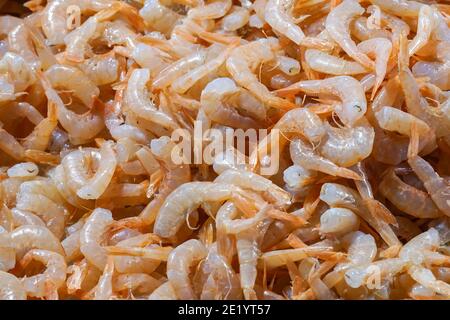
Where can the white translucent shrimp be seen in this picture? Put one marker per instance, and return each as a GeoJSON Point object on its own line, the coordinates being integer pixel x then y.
{"type": "Point", "coordinates": [348, 89]}
{"type": "Point", "coordinates": [437, 187]}
{"type": "Point", "coordinates": [213, 10]}
{"type": "Point", "coordinates": [91, 237]}
{"type": "Point", "coordinates": [98, 183]}
{"type": "Point", "coordinates": [164, 292]}
{"type": "Point", "coordinates": [81, 127]}
{"type": "Point", "coordinates": [304, 155]}
{"type": "Point", "coordinates": [104, 288]}
{"type": "Point", "coordinates": [237, 18]}
{"type": "Point", "coordinates": [401, 8]}
{"type": "Point", "coordinates": [243, 62]}
{"type": "Point", "coordinates": [338, 23]}
{"type": "Point", "coordinates": [19, 41]}
{"type": "Point", "coordinates": [326, 63]}
{"type": "Point", "coordinates": [101, 69]}
{"type": "Point", "coordinates": [181, 259]}
{"type": "Point", "coordinates": [22, 218]}
{"type": "Point", "coordinates": [42, 198]}
{"type": "Point", "coordinates": [425, 26]}
{"type": "Point", "coordinates": [77, 41]}
{"type": "Point", "coordinates": [47, 283]}
{"type": "Point", "coordinates": [213, 100]}
{"type": "Point", "coordinates": [297, 177]}
{"type": "Point", "coordinates": [427, 279]}
{"type": "Point", "coordinates": [54, 18]}
{"type": "Point", "coordinates": [393, 119]}
{"type": "Point", "coordinates": [186, 198]}
{"type": "Point", "coordinates": [140, 283]}
{"type": "Point", "coordinates": [407, 198]}
{"type": "Point", "coordinates": [415, 250]}
{"type": "Point", "coordinates": [137, 100]}
{"type": "Point", "coordinates": [217, 55]}
{"type": "Point", "coordinates": [159, 17]}
{"type": "Point", "coordinates": [338, 221]}
{"type": "Point", "coordinates": [11, 288]}
{"type": "Point", "coordinates": [336, 195]}
{"type": "Point", "coordinates": [18, 71]}
{"type": "Point", "coordinates": [249, 180]}
{"type": "Point", "coordinates": [348, 146]}
{"type": "Point", "coordinates": [29, 237]}
{"type": "Point", "coordinates": [380, 49]}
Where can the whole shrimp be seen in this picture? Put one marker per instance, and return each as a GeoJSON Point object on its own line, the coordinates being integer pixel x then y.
{"type": "Point", "coordinates": [348, 89]}
{"type": "Point", "coordinates": [137, 100]}
{"type": "Point", "coordinates": [188, 197]}
{"type": "Point", "coordinates": [407, 198]}
{"type": "Point", "coordinates": [401, 8]}
{"type": "Point", "coordinates": [304, 155]}
{"type": "Point", "coordinates": [213, 101]}
{"type": "Point", "coordinates": [181, 259]}
{"type": "Point", "coordinates": [338, 24]}
{"type": "Point", "coordinates": [213, 10]}
{"type": "Point", "coordinates": [245, 59]}
{"type": "Point", "coordinates": [47, 283]}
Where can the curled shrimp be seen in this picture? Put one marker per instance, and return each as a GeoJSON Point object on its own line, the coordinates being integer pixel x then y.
{"type": "Point", "coordinates": [186, 198]}
{"type": "Point", "coordinates": [138, 101]}
{"type": "Point", "coordinates": [30, 237]}
{"type": "Point", "coordinates": [81, 127]}
{"type": "Point", "coordinates": [401, 8]}
{"type": "Point", "coordinates": [338, 23]}
{"type": "Point", "coordinates": [91, 236]}
{"type": "Point", "coordinates": [7, 253]}
{"type": "Point", "coordinates": [180, 260]}
{"type": "Point", "coordinates": [277, 16]}
{"type": "Point", "coordinates": [347, 146]}
{"type": "Point", "coordinates": [304, 155]}
{"type": "Point", "coordinates": [348, 89]}
{"type": "Point", "coordinates": [47, 283]}
{"type": "Point", "coordinates": [40, 137]}
{"type": "Point", "coordinates": [11, 288]}
{"type": "Point", "coordinates": [213, 10]}
{"type": "Point", "coordinates": [245, 59]}
{"type": "Point", "coordinates": [407, 198]}
{"type": "Point", "coordinates": [338, 221]}
{"type": "Point", "coordinates": [213, 101]}
{"type": "Point", "coordinates": [96, 185]}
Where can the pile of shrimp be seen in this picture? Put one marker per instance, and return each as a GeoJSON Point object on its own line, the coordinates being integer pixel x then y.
{"type": "Point", "coordinates": [93, 206]}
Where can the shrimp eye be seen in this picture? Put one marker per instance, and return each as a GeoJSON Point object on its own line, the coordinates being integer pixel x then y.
{"type": "Point", "coordinates": [358, 107]}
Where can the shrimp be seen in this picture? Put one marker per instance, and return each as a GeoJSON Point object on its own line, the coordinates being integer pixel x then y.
{"type": "Point", "coordinates": [188, 197]}
{"type": "Point", "coordinates": [348, 89]}
{"type": "Point", "coordinates": [186, 255]}
{"type": "Point", "coordinates": [337, 24]}
{"type": "Point", "coordinates": [425, 25]}
{"type": "Point", "coordinates": [19, 41]}
{"type": "Point", "coordinates": [39, 138]}
{"type": "Point", "coordinates": [245, 59]}
{"type": "Point", "coordinates": [297, 177]}
{"type": "Point", "coordinates": [401, 8]}
{"type": "Point", "coordinates": [213, 10]}
{"type": "Point", "coordinates": [54, 18]}
{"type": "Point", "coordinates": [348, 146]}
{"type": "Point", "coordinates": [18, 70]}
{"type": "Point", "coordinates": [42, 198]}
{"type": "Point", "coordinates": [437, 187]}
{"type": "Point", "coordinates": [248, 249]}
{"type": "Point", "coordinates": [326, 63]}
{"type": "Point", "coordinates": [28, 237]}
{"type": "Point", "coordinates": [336, 195]}
{"type": "Point", "coordinates": [104, 288]}
{"type": "Point", "coordinates": [304, 155]}
{"type": "Point", "coordinates": [381, 49]}
{"type": "Point", "coordinates": [91, 236]}
{"type": "Point", "coordinates": [407, 198]}
{"type": "Point", "coordinates": [141, 283]}
{"type": "Point", "coordinates": [137, 100]}
{"type": "Point", "coordinates": [277, 16]}
{"type": "Point", "coordinates": [11, 288]}
{"type": "Point", "coordinates": [47, 283]}
{"type": "Point", "coordinates": [217, 55]}
{"type": "Point", "coordinates": [10, 146]}
{"type": "Point", "coordinates": [236, 18]}
{"type": "Point", "coordinates": [159, 17]}
{"type": "Point", "coordinates": [97, 185]}
{"type": "Point", "coordinates": [213, 101]}
{"type": "Point", "coordinates": [426, 278]}
{"type": "Point", "coordinates": [80, 127]}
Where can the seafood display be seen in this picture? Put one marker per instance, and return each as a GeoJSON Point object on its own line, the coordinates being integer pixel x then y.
{"type": "Point", "coordinates": [219, 149]}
